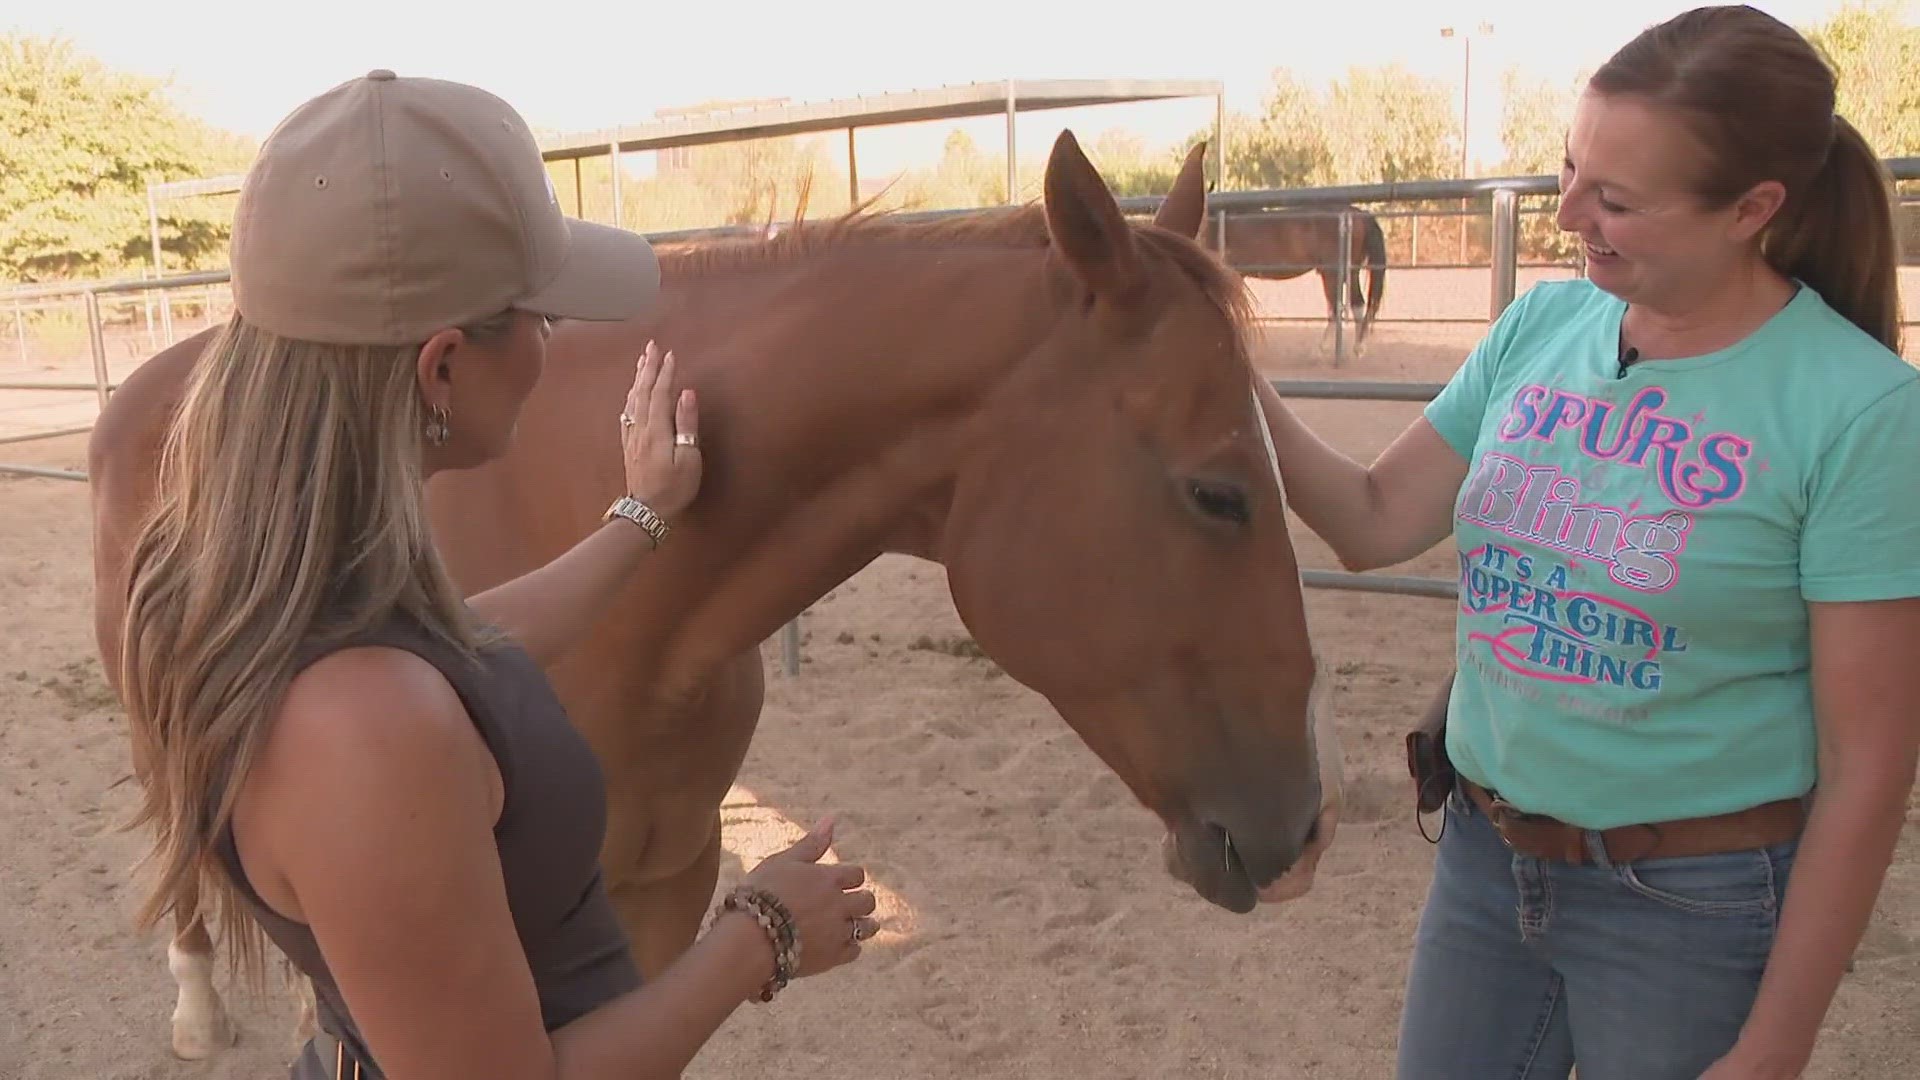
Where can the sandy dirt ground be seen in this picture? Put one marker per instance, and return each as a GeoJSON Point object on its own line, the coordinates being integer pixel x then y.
{"type": "Point", "coordinates": [1030, 930]}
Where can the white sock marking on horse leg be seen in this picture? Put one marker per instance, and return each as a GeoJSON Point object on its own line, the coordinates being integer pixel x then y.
{"type": "Point", "coordinates": [200, 1024]}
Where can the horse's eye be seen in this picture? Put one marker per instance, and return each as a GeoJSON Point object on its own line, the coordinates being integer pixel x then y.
{"type": "Point", "coordinates": [1223, 501]}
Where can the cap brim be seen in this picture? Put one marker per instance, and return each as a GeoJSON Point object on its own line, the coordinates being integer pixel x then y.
{"type": "Point", "coordinates": [610, 274]}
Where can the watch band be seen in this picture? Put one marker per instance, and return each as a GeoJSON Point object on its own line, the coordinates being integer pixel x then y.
{"type": "Point", "coordinates": [632, 509]}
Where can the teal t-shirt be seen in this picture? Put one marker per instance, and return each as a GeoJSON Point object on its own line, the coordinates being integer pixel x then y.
{"type": "Point", "coordinates": [1637, 550]}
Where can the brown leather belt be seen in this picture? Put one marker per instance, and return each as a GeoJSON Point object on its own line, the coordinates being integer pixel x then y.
{"type": "Point", "coordinates": [1549, 838]}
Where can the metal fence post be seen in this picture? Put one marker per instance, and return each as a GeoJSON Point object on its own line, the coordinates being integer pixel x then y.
{"type": "Point", "coordinates": [790, 645]}
{"type": "Point", "coordinates": [97, 337]}
{"type": "Point", "coordinates": [613, 162]}
{"type": "Point", "coordinates": [1340, 287]}
{"type": "Point", "coordinates": [1505, 256]}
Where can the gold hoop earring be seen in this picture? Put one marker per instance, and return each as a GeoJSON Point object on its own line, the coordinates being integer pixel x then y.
{"type": "Point", "coordinates": [437, 427]}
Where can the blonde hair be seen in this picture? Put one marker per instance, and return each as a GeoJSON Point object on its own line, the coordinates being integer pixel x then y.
{"type": "Point", "coordinates": [290, 510]}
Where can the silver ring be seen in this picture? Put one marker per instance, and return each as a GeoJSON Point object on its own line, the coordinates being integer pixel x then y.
{"type": "Point", "coordinates": [861, 933]}
{"type": "Point", "coordinates": [681, 438]}
{"type": "Point", "coordinates": [625, 420]}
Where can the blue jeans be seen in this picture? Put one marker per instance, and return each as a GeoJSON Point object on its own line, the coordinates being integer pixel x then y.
{"type": "Point", "coordinates": [1523, 967]}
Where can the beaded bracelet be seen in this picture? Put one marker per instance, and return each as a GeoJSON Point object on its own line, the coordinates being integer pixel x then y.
{"type": "Point", "coordinates": [777, 922]}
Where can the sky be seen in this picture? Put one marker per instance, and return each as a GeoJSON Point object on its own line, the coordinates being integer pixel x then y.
{"type": "Point", "coordinates": [573, 65]}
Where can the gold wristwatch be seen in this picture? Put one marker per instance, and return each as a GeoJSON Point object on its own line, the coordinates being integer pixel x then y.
{"type": "Point", "coordinates": [626, 506]}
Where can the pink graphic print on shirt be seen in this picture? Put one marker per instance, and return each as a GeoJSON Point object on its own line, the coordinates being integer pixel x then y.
{"type": "Point", "coordinates": [1591, 633]}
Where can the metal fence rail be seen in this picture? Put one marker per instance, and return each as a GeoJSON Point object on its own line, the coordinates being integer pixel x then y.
{"type": "Point", "coordinates": [1503, 193]}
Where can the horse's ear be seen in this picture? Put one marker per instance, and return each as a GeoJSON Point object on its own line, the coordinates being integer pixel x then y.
{"type": "Point", "coordinates": [1085, 223]}
{"type": "Point", "coordinates": [1184, 210]}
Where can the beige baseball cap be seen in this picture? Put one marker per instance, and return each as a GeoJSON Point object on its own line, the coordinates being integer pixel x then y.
{"type": "Point", "coordinates": [388, 208]}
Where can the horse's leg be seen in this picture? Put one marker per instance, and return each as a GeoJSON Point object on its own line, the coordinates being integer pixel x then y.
{"type": "Point", "coordinates": [664, 793]}
{"type": "Point", "coordinates": [663, 917]}
{"type": "Point", "coordinates": [200, 1023]}
{"type": "Point", "coordinates": [1330, 286]}
{"type": "Point", "coordinates": [1357, 304]}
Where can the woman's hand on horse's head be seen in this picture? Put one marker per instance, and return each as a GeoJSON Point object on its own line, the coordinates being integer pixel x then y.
{"type": "Point", "coordinates": [825, 899]}
{"type": "Point", "coordinates": [662, 471]}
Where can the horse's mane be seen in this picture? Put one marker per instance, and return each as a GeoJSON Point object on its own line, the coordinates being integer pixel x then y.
{"type": "Point", "coordinates": [1021, 227]}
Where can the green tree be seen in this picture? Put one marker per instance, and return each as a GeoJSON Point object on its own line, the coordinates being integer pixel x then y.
{"type": "Point", "coordinates": [760, 180]}
{"type": "Point", "coordinates": [1285, 145]}
{"type": "Point", "coordinates": [1875, 50]}
{"type": "Point", "coordinates": [965, 177]}
{"type": "Point", "coordinates": [1386, 124]}
{"type": "Point", "coordinates": [1534, 115]}
{"type": "Point", "coordinates": [1130, 167]}
{"type": "Point", "coordinates": [1296, 140]}
{"type": "Point", "coordinates": [78, 145]}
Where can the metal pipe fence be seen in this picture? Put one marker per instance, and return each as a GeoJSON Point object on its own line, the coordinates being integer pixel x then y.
{"type": "Point", "coordinates": [1502, 193]}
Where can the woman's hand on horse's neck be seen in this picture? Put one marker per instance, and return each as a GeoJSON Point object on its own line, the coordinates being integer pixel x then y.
{"type": "Point", "coordinates": [549, 609]}
{"type": "Point", "coordinates": [546, 611]}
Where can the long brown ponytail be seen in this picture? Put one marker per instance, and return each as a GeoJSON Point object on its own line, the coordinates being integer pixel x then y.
{"type": "Point", "coordinates": [1839, 237]}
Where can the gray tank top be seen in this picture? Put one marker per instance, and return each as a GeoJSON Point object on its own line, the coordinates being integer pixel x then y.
{"type": "Point", "coordinates": [548, 836]}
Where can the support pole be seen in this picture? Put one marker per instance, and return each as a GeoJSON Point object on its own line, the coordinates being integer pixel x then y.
{"type": "Point", "coordinates": [1220, 149]}
{"type": "Point", "coordinates": [1013, 159]}
{"type": "Point", "coordinates": [153, 237]}
{"type": "Point", "coordinates": [1505, 254]}
{"type": "Point", "coordinates": [853, 172]}
{"type": "Point", "coordinates": [153, 228]}
{"type": "Point", "coordinates": [97, 337]}
{"type": "Point", "coordinates": [613, 162]}
{"type": "Point", "coordinates": [1340, 287]}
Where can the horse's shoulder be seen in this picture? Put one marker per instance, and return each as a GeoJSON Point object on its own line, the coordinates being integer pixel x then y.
{"type": "Point", "coordinates": [123, 461]}
{"type": "Point", "coordinates": [130, 427]}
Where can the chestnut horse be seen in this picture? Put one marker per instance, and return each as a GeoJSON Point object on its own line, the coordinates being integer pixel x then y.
{"type": "Point", "coordinates": [1054, 404]}
{"type": "Point", "coordinates": [1283, 244]}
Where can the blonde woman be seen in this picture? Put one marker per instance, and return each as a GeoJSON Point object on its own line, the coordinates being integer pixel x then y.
{"type": "Point", "coordinates": [337, 749]}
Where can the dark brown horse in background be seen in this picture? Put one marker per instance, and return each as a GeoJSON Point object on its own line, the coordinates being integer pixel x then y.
{"type": "Point", "coordinates": [1283, 244]}
{"type": "Point", "coordinates": [1053, 404]}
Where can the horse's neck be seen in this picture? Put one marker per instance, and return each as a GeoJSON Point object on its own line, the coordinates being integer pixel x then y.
{"type": "Point", "coordinates": [839, 396]}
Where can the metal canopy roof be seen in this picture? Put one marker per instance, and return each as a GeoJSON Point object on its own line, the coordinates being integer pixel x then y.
{"type": "Point", "coordinates": [871, 110]}
{"type": "Point", "coordinates": [868, 110]}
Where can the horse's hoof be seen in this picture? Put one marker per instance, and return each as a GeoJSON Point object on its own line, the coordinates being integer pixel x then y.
{"type": "Point", "coordinates": [200, 1024]}
{"type": "Point", "coordinates": [198, 1036]}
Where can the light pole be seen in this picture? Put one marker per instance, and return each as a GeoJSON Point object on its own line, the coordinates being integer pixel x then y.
{"type": "Point", "coordinates": [1466, 36]}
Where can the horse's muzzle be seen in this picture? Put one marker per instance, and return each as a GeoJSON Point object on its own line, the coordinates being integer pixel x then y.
{"type": "Point", "coordinates": [1229, 854]}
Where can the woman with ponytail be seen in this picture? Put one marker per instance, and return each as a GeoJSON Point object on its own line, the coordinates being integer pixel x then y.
{"type": "Point", "coordinates": [1685, 496]}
